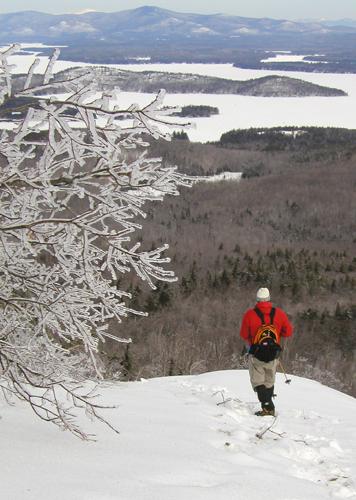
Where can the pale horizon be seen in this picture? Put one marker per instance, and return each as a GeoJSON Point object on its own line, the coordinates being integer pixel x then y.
{"type": "Point", "coordinates": [277, 9]}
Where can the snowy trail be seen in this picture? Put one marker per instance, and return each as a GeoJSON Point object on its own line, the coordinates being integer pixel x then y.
{"type": "Point", "coordinates": [304, 441]}
{"type": "Point", "coordinates": [178, 442]}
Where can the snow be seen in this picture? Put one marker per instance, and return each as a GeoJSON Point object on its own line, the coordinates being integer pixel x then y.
{"type": "Point", "coordinates": [239, 112]}
{"type": "Point", "coordinates": [84, 11]}
{"type": "Point", "coordinates": [27, 45]}
{"type": "Point", "coordinates": [223, 176]}
{"type": "Point", "coordinates": [279, 57]}
{"type": "Point", "coordinates": [138, 58]}
{"type": "Point", "coordinates": [22, 61]}
{"type": "Point", "coordinates": [247, 111]}
{"type": "Point", "coordinates": [178, 442]}
{"type": "Point", "coordinates": [72, 27]}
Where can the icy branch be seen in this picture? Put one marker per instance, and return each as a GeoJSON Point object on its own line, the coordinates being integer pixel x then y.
{"type": "Point", "coordinates": [73, 186]}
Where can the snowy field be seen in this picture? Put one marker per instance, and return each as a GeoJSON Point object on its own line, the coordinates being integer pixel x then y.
{"type": "Point", "coordinates": [177, 442]}
{"type": "Point", "coordinates": [241, 111]}
{"type": "Point", "coordinates": [223, 176]}
{"type": "Point", "coordinates": [284, 57]}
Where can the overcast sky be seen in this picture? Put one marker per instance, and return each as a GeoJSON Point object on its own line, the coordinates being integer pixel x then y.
{"type": "Point", "coordinates": [285, 9]}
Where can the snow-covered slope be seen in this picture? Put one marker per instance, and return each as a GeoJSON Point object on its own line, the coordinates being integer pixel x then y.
{"type": "Point", "coordinates": [177, 442]}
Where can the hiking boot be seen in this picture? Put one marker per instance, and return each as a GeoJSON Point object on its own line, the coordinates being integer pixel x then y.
{"type": "Point", "coordinates": [265, 412]}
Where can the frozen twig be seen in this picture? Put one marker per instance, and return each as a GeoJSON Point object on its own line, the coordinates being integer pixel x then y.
{"type": "Point", "coordinates": [260, 434]}
{"type": "Point", "coordinates": [73, 187]}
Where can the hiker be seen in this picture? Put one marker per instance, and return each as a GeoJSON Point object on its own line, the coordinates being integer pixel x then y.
{"type": "Point", "coordinates": [262, 329]}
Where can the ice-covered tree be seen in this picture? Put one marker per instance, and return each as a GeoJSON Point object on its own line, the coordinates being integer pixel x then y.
{"type": "Point", "coordinates": [74, 178]}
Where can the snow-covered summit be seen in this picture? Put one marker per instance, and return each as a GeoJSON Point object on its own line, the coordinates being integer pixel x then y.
{"type": "Point", "coordinates": [184, 438]}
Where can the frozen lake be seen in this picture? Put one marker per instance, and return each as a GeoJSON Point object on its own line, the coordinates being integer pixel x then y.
{"type": "Point", "coordinates": [240, 111]}
{"type": "Point", "coordinates": [245, 111]}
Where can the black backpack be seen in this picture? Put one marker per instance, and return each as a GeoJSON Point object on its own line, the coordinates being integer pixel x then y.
{"type": "Point", "coordinates": [266, 342]}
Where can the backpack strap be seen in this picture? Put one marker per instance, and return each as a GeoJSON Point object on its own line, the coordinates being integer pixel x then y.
{"type": "Point", "coordinates": [261, 315]}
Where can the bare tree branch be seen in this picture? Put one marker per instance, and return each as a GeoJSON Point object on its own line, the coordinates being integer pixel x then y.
{"type": "Point", "coordinates": [73, 185]}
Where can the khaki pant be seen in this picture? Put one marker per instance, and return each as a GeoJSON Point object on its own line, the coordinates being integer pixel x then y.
{"type": "Point", "coordinates": [262, 373]}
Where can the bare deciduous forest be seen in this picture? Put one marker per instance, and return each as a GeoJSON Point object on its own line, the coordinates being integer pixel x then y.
{"type": "Point", "coordinates": [289, 224]}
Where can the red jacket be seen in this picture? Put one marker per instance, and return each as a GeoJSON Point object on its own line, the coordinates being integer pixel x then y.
{"type": "Point", "coordinates": [251, 322]}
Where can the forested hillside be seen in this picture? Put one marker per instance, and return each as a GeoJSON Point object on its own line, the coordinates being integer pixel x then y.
{"type": "Point", "coordinates": [186, 83]}
{"type": "Point", "coordinates": [289, 224]}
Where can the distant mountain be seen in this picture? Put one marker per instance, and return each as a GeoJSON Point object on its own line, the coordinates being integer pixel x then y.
{"type": "Point", "coordinates": [148, 22]}
{"type": "Point", "coordinates": [350, 23]}
{"type": "Point", "coordinates": [165, 36]}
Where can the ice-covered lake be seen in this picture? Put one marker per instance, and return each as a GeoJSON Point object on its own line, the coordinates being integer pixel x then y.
{"type": "Point", "coordinates": [241, 111]}
{"type": "Point", "coordinates": [247, 111]}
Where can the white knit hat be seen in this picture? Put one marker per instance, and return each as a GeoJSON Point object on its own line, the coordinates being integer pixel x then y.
{"type": "Point", "coordinates": [263, 295]}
